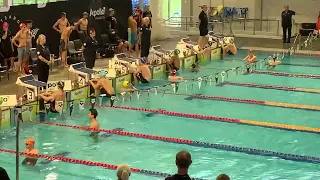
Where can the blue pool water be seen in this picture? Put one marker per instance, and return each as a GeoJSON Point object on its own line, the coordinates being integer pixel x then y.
{"type": "Point", "coordinates": [160, 156]}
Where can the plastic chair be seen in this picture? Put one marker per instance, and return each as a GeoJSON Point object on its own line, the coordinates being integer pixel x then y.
{"type": "Point", "coordinates": [78, 44]}
{"type": "Point", "coordinates": [72, 50]}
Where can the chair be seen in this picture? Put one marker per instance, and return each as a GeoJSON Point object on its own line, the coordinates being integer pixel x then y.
{"type": "Point", "coordinates": [72, 50]}
{"type": "Point", "coordinates": [78, 44]}
{"type": "Point", "coordinates": [34, 57]}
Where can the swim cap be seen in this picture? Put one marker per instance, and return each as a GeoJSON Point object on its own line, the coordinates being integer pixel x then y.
{"type": "Point", "coordinates": [173, 72]}
{"type": "Point", "coordinates": [125, 83]}
{"type": "Point", "coordinates": [5, 25]}
{"type": "Point", "coordinates": [22, 25]}
{"type": "Point", "coordinates": [123, 172]}
{"type": "Point", "coordinates": [143, 60]}
{"type": "Point", "coordinates": [103, 73]}
{"type": "Point", "coordinates": [30, 141]}
{"type": "Point", "coordinates": [176, 52]}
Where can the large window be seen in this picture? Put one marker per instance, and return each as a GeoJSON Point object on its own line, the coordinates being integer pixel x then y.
{"type": "Point", "coordinates": [20, 2]}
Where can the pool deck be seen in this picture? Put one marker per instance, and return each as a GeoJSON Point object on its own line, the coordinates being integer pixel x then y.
{"type": "Point", "coordinates": [273, 45]}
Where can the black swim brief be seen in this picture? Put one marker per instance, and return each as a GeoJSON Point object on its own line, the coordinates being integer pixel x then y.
{"type": "Point", "coordinates": [141, 78]}
{"type": "Point", "coordinates": [103, 91]}
{"type": "Point", "coordinates": [62, 46]}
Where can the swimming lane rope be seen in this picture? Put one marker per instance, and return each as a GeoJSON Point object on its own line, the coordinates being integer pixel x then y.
{"type": "Point", "coordinates": [91, 163]}
{"type": "Point", "coordinates": [286, 127]}
{"type": "Point", "coordinates": [250, 101]}
{"type": "Point", "coordinates": [264, 86]}
{"type": "Point", "coordinates": [250, 151]}
{"type": "Point", "coordinates": [297, 64]}
{"type": "Point", "coordinates": [309, 76]}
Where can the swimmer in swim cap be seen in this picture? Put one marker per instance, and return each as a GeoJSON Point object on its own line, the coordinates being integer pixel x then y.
{"type": "Point", "coordinates": [30, 160]}
{"type": "Point", "coordinates": [123, 172]}
{"type": "Point", "coordinates": [174, 61]}
{"type": "Point", "coordinates": [92, 115]}
{"type": "Point", "coordinates": [53, 98]}
{"type": "Point", "coordinates": [273, 61]}
{"type": "Point", "coordinates": [103, 84]}
{"type": "Point", "coordinates": [127, 87]}
{"type": "Point", "coordinates": [142, 72]}
{"type": "Point", "coordinates": [173, 76]}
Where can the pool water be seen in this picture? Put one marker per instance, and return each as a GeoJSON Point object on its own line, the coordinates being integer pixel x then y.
{"type": "Point", "coordinates": [160, 156]}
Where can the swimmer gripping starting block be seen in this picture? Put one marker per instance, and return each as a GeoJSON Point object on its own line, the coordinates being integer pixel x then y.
{"type": "Point", "coordinates": [33, 86]}
{"type": "Point", "coordinates": [187, 46]}
{"type": "Point", "coordinates": [159, 55]}
{"type": "Point", "coordinates": [84, 74]}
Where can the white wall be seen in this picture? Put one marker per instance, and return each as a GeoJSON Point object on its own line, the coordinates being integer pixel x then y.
{"type": "Point", "coordinates": [272, 9]}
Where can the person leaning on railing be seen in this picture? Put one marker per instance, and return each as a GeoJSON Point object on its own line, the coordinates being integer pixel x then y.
{"type": "Point", "coordinates": [44, 61]}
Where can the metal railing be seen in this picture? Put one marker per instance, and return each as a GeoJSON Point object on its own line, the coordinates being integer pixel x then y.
{"type": "Point", "coordinates": [228, 26]}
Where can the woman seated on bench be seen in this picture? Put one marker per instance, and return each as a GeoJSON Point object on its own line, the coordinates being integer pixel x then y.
{"type": "Point", "coordinates": [115, 39]}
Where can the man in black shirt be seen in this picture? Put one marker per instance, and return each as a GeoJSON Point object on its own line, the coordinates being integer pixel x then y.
{"type": "Point", "coordinates": [203, 26]}
{"type": "Point", "coordinates": [286, 17]}
{"type": "Point", "coordinates": [112, 19]}
{"type": "Point", "coordinates": [148, 14]}
{"type": "Point", "coordinates": [145, 37]}
{"type": "Point", "coordinates": [183, 161]}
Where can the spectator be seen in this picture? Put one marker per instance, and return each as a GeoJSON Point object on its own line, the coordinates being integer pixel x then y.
{"type": "Point", "coordinates": [223, 177]}
{"type": "Point", "coordinates": [3, 174]}
{"type": "Point", "coordinates": [91, 46]}
{"type": "Point", "coordinates": [115, 39]}
{"type": "Point", "coordinates": [112, 19]}
{"type": "Point", "coordinates": [183, 161]}
{"type": "Point", "coordinates": [7, 46]}
{"type": "Point", "coordinates": [145, 37]}
{"type": "Point", "coordinates": [44, 60]}
{"type": "Point", "coordinates": [286, 19]}
{"type": "Point", "coordinates": [123, 172]}
{"type": "Point", "coordinates": [148, 14]}
{"type": "Point", "coordinates": [203, 26]}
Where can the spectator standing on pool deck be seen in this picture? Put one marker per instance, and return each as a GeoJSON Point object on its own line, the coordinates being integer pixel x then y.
{"type": "Point", "coordinates": [29, 46]}
{"type": "Point", "coordinates": [3, 174]}
{"type": "Point", "coordinates": [91, 46]}
{"type": "Point", "coordinates": [203, 26]}
{"type": "Point", "coordinates": [112, 19]}
{"type": "Point", "coordinates": [223, 177]}
{"type": "Point", "coordinates": [44, 60]}
{"type": "Point", "coordinates": [286, 21]}
{"type": "Point", "coordinates": [148, 14]}
{"type": "Point", "coordinates": [7, 46]}
{"type": "Point", "coordinates": [123, 172]}
{"type": "Point", "coordinates": [145, 37]}
{"type": "Point", "coordinates": [21, 38]}
{"type": "Point", "coordinates": [183, 161]}
{"type": "Point", "coordinates": [132, 24]}
{"type": "Point", "coordinates": [61, 23]}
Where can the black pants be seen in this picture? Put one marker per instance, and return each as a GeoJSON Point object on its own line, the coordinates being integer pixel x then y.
{"type": "Point", "coordinates": [90, 60]}
{"type": "Point", "coordinates": [145, 49]}
{"type": "Point", "coordinates": [43, 72]}
{"type": "Point", "coordinates": [286, 28]}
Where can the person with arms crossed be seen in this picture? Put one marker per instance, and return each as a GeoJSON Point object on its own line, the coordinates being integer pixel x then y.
{"type": "Point", "coordinates": [61, 23]}
{"type": "Point", "coordinates": [64, 41]}
{"type": "Point", "coordinates": [203, 26]}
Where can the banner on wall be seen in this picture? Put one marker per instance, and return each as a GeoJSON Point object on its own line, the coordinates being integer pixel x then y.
{"type": "Point", "coordinates": [215, 54]}
{"type": "Point", "coordinates": [158, 71]}
{"type": "Point", "coordinates": [119, 82]}
{"type": "Point", "coordinates": [204, 57]}
{"type": "Point", "coordinates": [53, 85]}
{"type": "Point", "coordinates": [8, 100]}
{"type": "Point", "coordinates": [5, 119]}
{"type": "Point", "coordinates": [81, 93]}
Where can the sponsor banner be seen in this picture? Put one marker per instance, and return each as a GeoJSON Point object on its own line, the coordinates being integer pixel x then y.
{"type": "Point", "coordinates": [5, 117]}
{"type": "Point", "coordinates": [215, 54]}
{"type": "Point", "coordinates": [30, 110]}
{"type": "Point", "coordinates": [188, 61]}
{"type": "Point", "coordinates": [81, 93]}
{"type": "Point", "coordinates": [119, 82]}
{"type": "Point", "coordinates": [158, 71]}
{"type": "Point", "coordinates": [53, 85]}
{"type": "Point", "coordinates": [8, 100]}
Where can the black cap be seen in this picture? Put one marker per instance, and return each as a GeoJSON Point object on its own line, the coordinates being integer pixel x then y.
{"type": "Point", "coordinates": [63, 14]}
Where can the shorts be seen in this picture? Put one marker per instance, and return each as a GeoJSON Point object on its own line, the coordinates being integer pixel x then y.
{"type": "Point", "coordinates": [22, 53]}
{"type": "Point", "coordinates": [134, 38]}
{"type": "Point", "coordinates": [203, 31]}
{"type": "Point", "coordinates": [63, 46]}
{"type": "Point", "coordinates": [141, 78]}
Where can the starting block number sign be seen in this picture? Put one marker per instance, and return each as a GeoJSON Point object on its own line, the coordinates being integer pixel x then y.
{"type": "Point", "coordinates": [31, 94]}
{"type": "Point", "coordinates": [81, 80]}
{"type": "Point", "coordinates": [8, 101]}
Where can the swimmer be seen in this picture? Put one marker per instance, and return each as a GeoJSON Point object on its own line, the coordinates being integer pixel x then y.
{"type": "Point", "coordinates": [195, 66]}
{"type": "Point", "coordinates": [103, 84]}
{"type": "Point", "coordinates": [93, 113]}
{"type": "Point", "coordinates": [64, 44]}
{"type": "Point", "coordinates": [174, 61]}
{"type": "Point", "coordinates": [173, 77]}
{"type": "Point", "coordinates": [231, 47]}
{"type": "Point", "coordinates": [127, 87]}
{"type": "Point", "coordinates": [142, 72]}
{"type": "Point", "coordinates": [123, 172]}
{"type": "Point", "coordinates": [30, 149]}
{"type": "Point", "coordinates": [273, 62]}
{"type": "Point", "coordinates": [53, 98]}
{"type": "Point", "coordinates": [251, 58]}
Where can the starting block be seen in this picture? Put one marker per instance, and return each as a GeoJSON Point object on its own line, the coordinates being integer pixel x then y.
{"type": "Point", "coordinates": [117, 62]}
{"type": "Point", "coordinates": [83, 73]}
{"type": "Point", "coordinates": [214, 40]}
{"type": "Point", "coordinates": [33, 86]}
{"type": "Point", "coordinates": [159, 55]}
{"type": "Point", "coordinates": [53, 85]}
{"type": "Point", "coordinates": [187, 47]}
